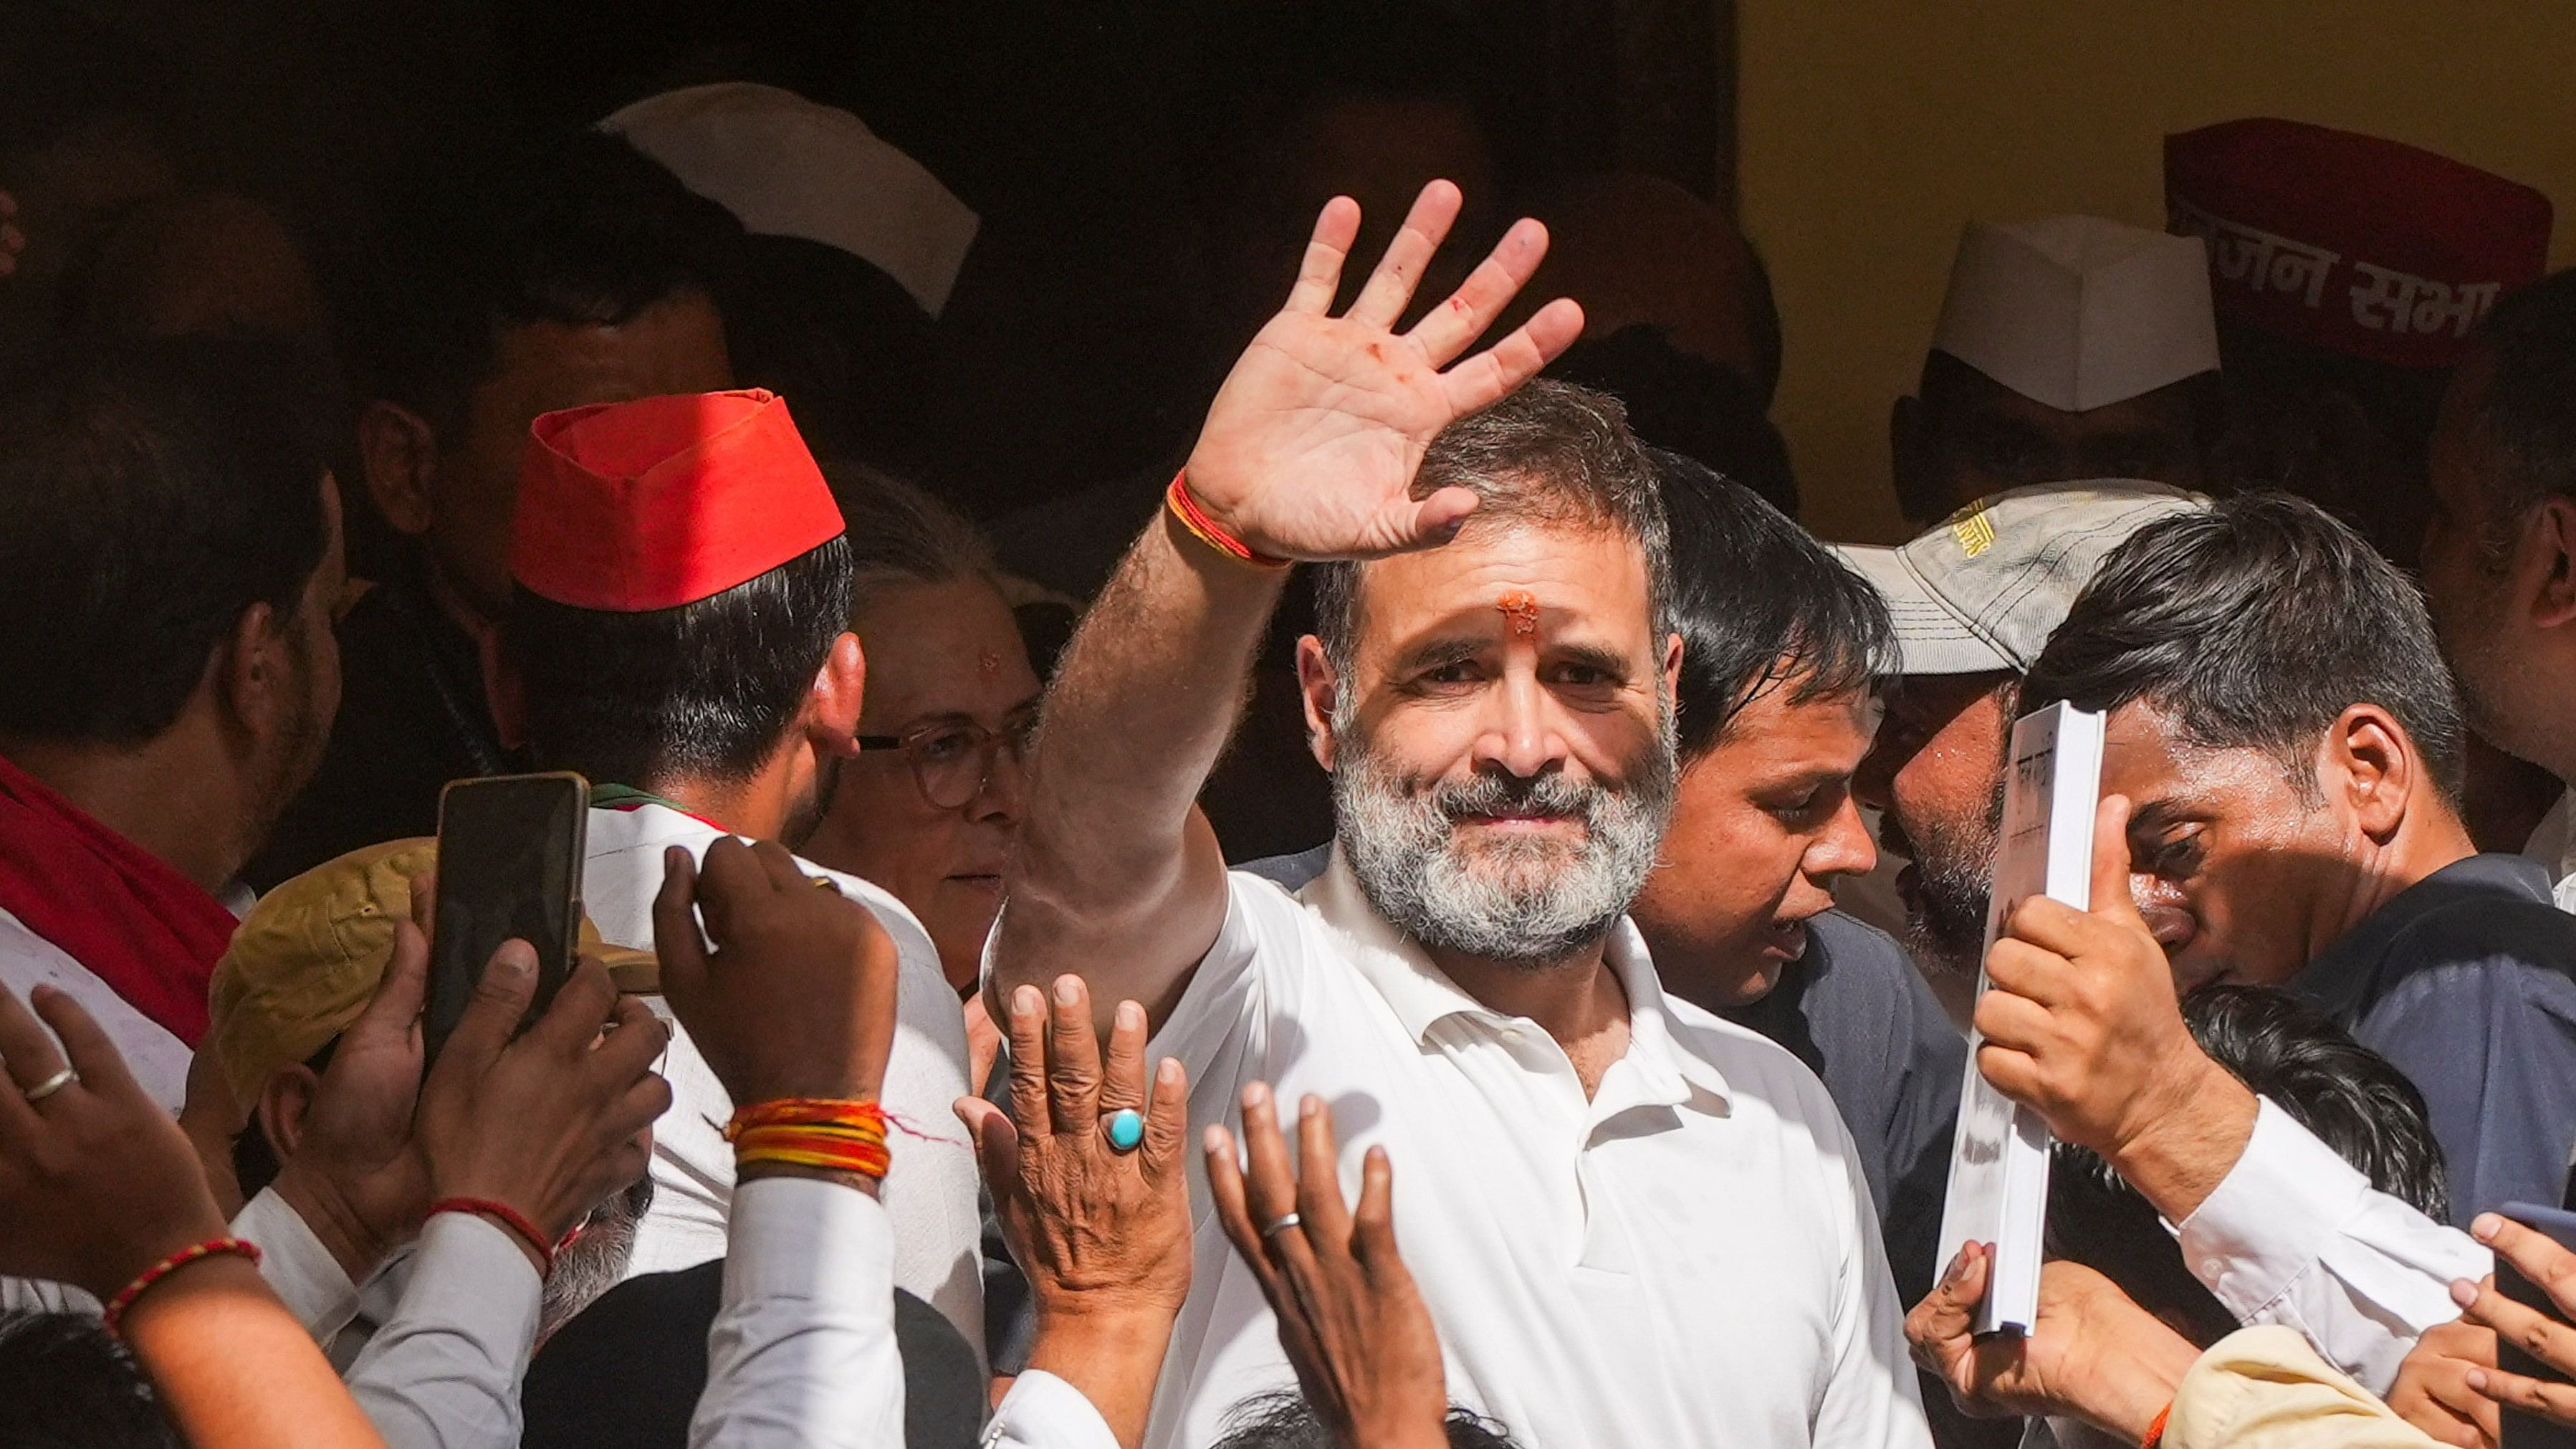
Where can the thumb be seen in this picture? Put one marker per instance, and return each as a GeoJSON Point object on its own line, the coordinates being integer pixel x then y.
{"type": "Point", "coordinates": [1435, 519]}
{"type": "Point", "coordinates": [500, 999]}
{"type": "Point", "coordinates": [395, 1007]}
{"type": "Point", "coordinates": [675, 934]}
{"type": "Point", "coordinates": [2111, 898]}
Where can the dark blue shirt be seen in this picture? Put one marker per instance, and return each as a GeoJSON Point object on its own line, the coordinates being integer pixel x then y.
{"type": "Point", "coordinates": [2466, 981]}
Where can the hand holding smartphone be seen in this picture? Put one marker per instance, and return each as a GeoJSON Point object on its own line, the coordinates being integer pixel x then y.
{"type": "Point", "coordinates": [510, 851]}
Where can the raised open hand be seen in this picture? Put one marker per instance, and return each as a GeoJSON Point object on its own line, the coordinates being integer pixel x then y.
{"type": "Point", "coordinates": [1354, 1326]}
{"type": "Point", "coordinates": [1310, 448]}
{"type": "Point", "coordinates": [1091, 1183]}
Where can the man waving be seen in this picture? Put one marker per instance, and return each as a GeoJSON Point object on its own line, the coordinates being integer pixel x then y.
{"type": "Point", "coordinates": [1634, 1223]}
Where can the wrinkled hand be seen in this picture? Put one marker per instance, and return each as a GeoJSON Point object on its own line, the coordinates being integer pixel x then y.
{"type": "Point", "coordinates": [1354, 1326]}
{"type": "Point", "coordinates": [2433, 1390]}
{"type": "Point", "coordinates": [2549, 1339]}
{"type": "Point", "coordinates": [556, 1120]}
{"type": "Point", "coordinates": [2081, 1024]}
{"type": "Point", "coordinates": [97, 1183]}
{"type": "Point", "coordinates": [354, 1176]}
{"type": "Point", "coordinates": [1103, 1235]}
{"type": "Point", "coordinates": [2092, 1354]}
{"type": "Point", "coordinates": [797, 998]}
{"type": "Point", "coordinates": [1310, 447]}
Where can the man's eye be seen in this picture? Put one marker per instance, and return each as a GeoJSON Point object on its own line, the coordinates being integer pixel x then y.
{"type": "Point", "coordinates": [2174, 859]}
{"type": "Point", "coordinates": [945, 745]}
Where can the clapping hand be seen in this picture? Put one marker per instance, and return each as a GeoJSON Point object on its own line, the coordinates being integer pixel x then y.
{"type": "Point", "coordinates": [1354, 1326]}
{"type": "Point", "coordinates": [1092, 1188]}
{"type": "Point", "coordinates": [1310, 447]}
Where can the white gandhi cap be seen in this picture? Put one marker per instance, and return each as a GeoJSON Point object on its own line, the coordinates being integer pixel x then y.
{"type": "Point", "coordinates": [2075, 312]}
{"type": "Point", "coordinates": [785, 166]}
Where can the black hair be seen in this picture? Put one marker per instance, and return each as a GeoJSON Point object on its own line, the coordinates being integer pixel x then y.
{"type": "Point", "coordinates": [703, 691]}
{"type": "Point", "coordinates": [1282, 1419]}
{"type": "Point", "coordinates": [69, 1384]}
{"type": "Point", "coordinates": [1550, 453]}
{"type": "Point", "coordinates": [1760, 605]}
{"type": "Point", "coordinates": [2527, 414]}
{"type": "Point", "coordinates": [575, 227]}
{"type": "Point", "coordinates": [2255, 624]}
{"type": "Point", "coordinates": [2344, 1093]}
{"type": "Point", "coordinates": [156, 491]}
{"type": "Point", "coordinates": [1698, 408]}
{"type": "Point", "coordinates": [900, 534]}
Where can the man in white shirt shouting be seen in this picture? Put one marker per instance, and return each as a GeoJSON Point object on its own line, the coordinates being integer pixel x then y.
{"type": "Point", "coordinates": [1634, 1223]}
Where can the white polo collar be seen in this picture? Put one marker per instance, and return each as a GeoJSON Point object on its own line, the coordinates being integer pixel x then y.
{"type": "Point", "coordinates": [1422, 995]}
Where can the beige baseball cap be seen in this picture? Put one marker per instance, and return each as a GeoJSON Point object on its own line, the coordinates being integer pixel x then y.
{"type": "Point", "coordinates": [1982, 591]}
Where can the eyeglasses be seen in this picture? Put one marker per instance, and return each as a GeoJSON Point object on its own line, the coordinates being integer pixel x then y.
{"type": "Point", "coordinates": [952, 759]}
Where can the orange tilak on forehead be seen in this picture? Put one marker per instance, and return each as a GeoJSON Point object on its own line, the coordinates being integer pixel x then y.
{"type": "Point", "coordinates": [1520, 611]}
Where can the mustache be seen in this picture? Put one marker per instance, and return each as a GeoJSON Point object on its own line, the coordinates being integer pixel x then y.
{"type": "Point", "coordinates": [1549, 794]}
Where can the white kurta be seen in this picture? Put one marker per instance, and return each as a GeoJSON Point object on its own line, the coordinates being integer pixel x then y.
{"type": "Point", "coordinates": [930, 1191]}
{"type": "Point", "coordinates": [158, 1060]}
{"type": "Point", "coordinates": [1688, 1258]}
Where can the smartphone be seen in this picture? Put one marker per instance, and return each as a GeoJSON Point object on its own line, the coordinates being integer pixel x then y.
{"type": "Point", "coordinates": [2522, 1430]}
{"type": "Point", "coordinates": [510, 853]}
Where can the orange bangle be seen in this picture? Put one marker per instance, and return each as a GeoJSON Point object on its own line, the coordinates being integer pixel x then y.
{"type": "Point", "coordinates": [125, 1296]}
{"type": "Point", "coordinates": [839, 1136]}
{"type": "Point", "coordinates": [2156, 1430]}
{"type": "Point", "coordinates": [1207, 530]}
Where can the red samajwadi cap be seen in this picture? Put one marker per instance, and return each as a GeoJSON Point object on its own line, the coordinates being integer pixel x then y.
{"type": "Point", "coordinates": [2356, 245]}
{"type": "Point", "coordinates": [629, 507]}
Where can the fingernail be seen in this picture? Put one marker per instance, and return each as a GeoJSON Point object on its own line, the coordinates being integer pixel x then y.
{"type": "Point", "coordinates": [1309, 1106]}
{"type": "Point", "coordinates": [1027, 1002]}
{"type": "Point", "coordinates": [2478, 1379]}
{"type": "Point", "coordinates": [1130, 1015]}
{"type": "Point", "coordinates": [2464, 1292]}
{"type": "Point", "coordinates": [1213, 1142]}
{"type": "Point", "coordinates": [1256, 1095]}
{"type": "Point", "coordinates": [516, 959]}
{"type": "Point", "coordinates": [2485, 1226]}
{"type": "Point", "coordinates": [1168, 1074]}
{"type": "Point", "coordinates": [1068, 990]}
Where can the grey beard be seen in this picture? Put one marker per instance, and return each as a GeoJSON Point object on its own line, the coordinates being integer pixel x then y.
{"type": "Point", "coordinates": [1526, 903]}
{"type": "Point", "coordinates": [596, 1261]}
{"type": "Point", "coordinates": [1953, 884]}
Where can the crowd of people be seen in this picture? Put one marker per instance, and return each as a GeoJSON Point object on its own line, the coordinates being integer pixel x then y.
{"type": "Point", "coordinates": [954, 1058]}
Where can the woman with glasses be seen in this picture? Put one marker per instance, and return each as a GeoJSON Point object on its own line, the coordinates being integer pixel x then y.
{"type": "Point", "coordinates": [928, 808]}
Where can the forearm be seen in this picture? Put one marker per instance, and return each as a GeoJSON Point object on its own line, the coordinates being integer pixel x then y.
{"type": "Point", "coordinates": [2189, 1149]}
{"type": "Point", "coordinates": [444, 1372]}
{"type": "Point", "coordinates": [1111, 864]}
{"type": "Point", "coordinates": [1114, 1358]}
{"type": "Point", "coordinates": [802, 1351]}
{"type": "Point", "coordinates": [234, 1369]}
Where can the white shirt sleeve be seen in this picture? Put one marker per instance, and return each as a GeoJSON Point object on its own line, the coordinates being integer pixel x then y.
{"type": "Point", "coordinates": [2294, 1235]}
{"type": "Point", "coordinates": [298, 1269]}
{"type": "Point", "coordinates": [802, 1354]}
{"type": "Point", "coordinates": [444, 1371]}
{"type": "Point", "coordinates": [1044, 1412]}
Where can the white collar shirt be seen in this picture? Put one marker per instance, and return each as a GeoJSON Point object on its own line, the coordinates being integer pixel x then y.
{"type": "Point", "coordinates": [1688, 1258]}
{"type": "Point", "coordinates": [929, 1192]}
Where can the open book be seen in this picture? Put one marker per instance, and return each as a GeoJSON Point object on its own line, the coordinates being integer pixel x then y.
{"type": "Point", "coordinates": [1999, 1160]}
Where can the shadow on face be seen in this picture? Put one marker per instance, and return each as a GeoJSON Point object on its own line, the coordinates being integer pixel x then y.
{"type": "Point", "coordinates": [1935, 773]}
{"type": "Point", "coordinates": [1967, 436]}
{"type": "Point", "coordinates": [933, 822]}
{"type": "Point", "coordinates": [1763, 824]}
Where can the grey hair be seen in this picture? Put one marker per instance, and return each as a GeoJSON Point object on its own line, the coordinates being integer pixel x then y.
{"type": "Point", "coordinates": [899, 535]}
{"type": "Point", "coordinates": [1550, 454]}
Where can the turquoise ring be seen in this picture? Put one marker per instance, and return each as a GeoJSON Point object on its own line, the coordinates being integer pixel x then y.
{"type": "Point", "coordinates": [1126, 1129]}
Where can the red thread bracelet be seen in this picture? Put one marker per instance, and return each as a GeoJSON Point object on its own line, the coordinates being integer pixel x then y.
{"type": "Point", "coordinates": [2156, 1430]}
{"type": "Point", "coordinates": [509, 1217]}
{"type": "Point", "coordinates": [212, 1247]}
{"type": "Point", "coordinates": [1208, 531]}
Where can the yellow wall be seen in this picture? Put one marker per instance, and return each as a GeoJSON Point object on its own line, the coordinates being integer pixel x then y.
{"type": "Point", "coordinates": [1871, 129]}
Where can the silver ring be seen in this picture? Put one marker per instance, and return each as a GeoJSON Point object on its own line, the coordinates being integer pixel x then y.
{"type": "Point", "coordinates": [1280, 1224]}
{"type": "Point", "coordinates": [65, 1078]}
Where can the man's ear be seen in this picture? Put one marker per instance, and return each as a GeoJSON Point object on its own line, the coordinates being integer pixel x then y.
{"type": "Point", "coordinates": [2369, 762]}
{"type": "Point", "coordinates": [1317, 688]}
{"type": "Point", "coordinates": [832, 706]}
{"type": "Point", "coordinates": [398, 453]}
{"type": "Point", "coordinates": [283, 1103]}
{"type": "Point", "coordinates": [1909, 455]}
{"type": "Point", "coordinates": [2552, 531]}
{"type": "Point", "coordinates": [253, 668]}
{"type": "Point", "coordinates": [1673, 672]}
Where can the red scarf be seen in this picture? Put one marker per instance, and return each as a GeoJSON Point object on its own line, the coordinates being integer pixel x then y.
{"type": "Point", "coordinates": [125, 915]}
